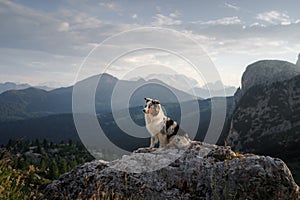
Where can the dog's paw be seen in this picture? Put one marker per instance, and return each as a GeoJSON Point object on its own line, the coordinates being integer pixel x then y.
{"type": "Point", "coordinates": [145, 150]}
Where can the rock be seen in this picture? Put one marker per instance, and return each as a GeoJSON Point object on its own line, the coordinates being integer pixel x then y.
{"type": "Point", "coordinates": [203, 171]}
{"type": "Point", "coordinates": [266, 120]}
{"type": "Point", "coordinates": [266, 72]}
{"type": "Point", "coordinates": [266, 115]}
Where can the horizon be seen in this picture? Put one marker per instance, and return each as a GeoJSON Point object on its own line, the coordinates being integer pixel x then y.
{"type": "Point", "coordinates": [44, 43]}
{"type": "Point", "coordinates": [133, 78]}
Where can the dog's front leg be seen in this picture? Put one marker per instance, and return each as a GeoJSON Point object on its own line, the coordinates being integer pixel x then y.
{"type": "Point", "coordinates": [152, 142]}
{"type": "Point", "coordinates": [163, 141]}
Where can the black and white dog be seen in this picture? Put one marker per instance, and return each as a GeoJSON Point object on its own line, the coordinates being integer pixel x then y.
{"type": "Point", "coordinates": [163, 129]}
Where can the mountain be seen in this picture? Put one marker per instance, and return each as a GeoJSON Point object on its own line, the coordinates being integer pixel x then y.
{"type": "Point", "coordinates": [34, 113]}
{"type": "Point", "coordinates": [216, 89]}
{"type": "Point", "coordinates": [58, 127]}
{"type": "Point", "coordinates": [298, 61]}
{"type": "Point", "coordinates": [61, 126]}
{"type": "Point", "coordinates": [188, 84]}
{"type": "Point", "coordinates": [266, 72]}
{"type": "Point", "coordinates": [54, 128]}
{"type": "Point", "coordinates": [43, 87]}
{"type": "Point", "coordinates": [33, 102]}
{"type": "Point", "coordinates": [203, 171]}
{"type": "Point", "coordinates": [266, 116]}
{"type": "Point", "coordinates": [266, 120]}
{"type": "Point", "coordinates": [13, 86]}
{"type": "Point", "coordinates": [179, 81]}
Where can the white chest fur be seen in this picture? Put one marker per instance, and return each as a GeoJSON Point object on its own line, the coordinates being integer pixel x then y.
{"type": "Point", "coordinates": [155, 124]}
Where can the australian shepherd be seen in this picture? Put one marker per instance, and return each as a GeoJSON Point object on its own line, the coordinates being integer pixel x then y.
{"type": "Point", "coordinates": [163, 129]}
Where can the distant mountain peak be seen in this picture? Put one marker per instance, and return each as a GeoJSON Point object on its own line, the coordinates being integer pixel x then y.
{"type": "Point", "coordinates": [107, 75]}
{"type": "Point", "coordinates": [19, 86]}
{"type": "Point", "coordinates": [178, 81]}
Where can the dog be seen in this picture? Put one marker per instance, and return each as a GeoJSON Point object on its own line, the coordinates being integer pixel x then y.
{"type": "Point", "coordinates": [162, 128]}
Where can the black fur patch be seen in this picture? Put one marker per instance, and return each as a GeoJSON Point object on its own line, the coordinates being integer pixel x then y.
{"type": "Point", "coordinates": [170, 123]}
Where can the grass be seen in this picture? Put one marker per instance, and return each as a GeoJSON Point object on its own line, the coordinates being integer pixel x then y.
{"type": "Point", "coordinates": [19, 184]}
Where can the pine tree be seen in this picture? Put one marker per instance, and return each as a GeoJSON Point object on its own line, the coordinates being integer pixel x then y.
{"type": "Point", "coordinates": [36, 142]}
{"type": "Point", "coordinates": [63, 165]}
{"type": "Point", "coordinates": [39, 148]}
{"type": "Point", "coordinates": [43, 165]}
{"type": "Point", "coordinates": [54, 172]}
{"type": "Point", "coordinates": [9, 144]}
{"type": "Point", "coordinates": [70, 142]}
{"type": "Point", "coordinates": [73, 163]}
{"type": "Point", "coordinates": [45, 144]}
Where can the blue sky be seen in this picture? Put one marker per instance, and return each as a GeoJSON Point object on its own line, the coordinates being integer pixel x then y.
{"type": "Point", "coordinates": [44, 42]}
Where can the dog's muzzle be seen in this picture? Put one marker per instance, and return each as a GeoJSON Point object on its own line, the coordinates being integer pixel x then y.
{"type": "Point", "coordinates": [145, 111]}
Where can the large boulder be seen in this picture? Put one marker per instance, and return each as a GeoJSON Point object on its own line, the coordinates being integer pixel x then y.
{"type": "Point", "coordinates": [203, 171]}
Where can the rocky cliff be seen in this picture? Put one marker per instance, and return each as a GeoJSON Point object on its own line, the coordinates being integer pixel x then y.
{"type": "Point", "coordinates": [203, 171]}
{"type": "Point", "coordinates": [298, 61]}
{"type": "Point", "coordinates": [266, 72]}
{"type": "Point", "coordinates": [266, 118]}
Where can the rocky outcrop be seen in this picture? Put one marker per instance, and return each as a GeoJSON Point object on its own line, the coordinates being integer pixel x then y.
{"type": "Point", "coordinates": [266, 120]}
{"type": "Point", "coordinates": [298, 61]}
{"type": "Point", "coordinates": [266, 72]}
{"type": "Point", "coordinates": [203, 171]}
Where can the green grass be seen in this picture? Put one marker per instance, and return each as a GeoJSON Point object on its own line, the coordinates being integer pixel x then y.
{"type": "Point", "coordinates": [27, 167]}
{"type": "Point", "coordinates": [19, 184]}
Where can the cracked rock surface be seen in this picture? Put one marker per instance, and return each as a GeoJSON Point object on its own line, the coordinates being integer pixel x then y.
{"type": "Point", "coordinates": [203, 171]}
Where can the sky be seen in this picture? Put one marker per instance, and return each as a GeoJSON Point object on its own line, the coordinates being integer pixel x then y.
{"type": "Point", "coordinates": [46, 42]}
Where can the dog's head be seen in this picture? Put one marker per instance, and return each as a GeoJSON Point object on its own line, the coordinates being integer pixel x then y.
{"type": "Point", "coordinates": [152, 106]}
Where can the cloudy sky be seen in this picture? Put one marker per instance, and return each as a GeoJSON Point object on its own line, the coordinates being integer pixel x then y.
{"type": "Point", "coordinates": [45, 42]}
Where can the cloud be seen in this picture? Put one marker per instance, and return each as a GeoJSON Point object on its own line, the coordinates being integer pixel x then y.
{"type": "Point", "coordinates": [254, 40]}
{"type": "Point", "coordinates": [25, 28]}
{"type": "Point", "coordinates": [65, 31]}
{"type": "Point", "coordinates": [234, 7]}
{"type": "Point", "coordinates": [134, 16]}
{"type": "Point", "coordinates": [222, 21]}
{"type": "Point", "coordinates": [64, 26]}
{"type": "Point", "coordinates": [35, 66]}
{"type": "Point", "coordinates": [79, 20]}
{"type": "Point", "coordinates": [162, 20]}
{"type": "Point", "coordinates": [109, 5]}
{"type": "Point", "coordinates": [175, 14]}
{"type": "Point", "coordinates": [257, 24]}
{"type": "Point", "coordinates": [274, 17]}
{"type": "Point", "coordinates": [61, 38]}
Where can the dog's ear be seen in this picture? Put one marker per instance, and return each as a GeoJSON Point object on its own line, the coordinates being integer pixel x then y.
{"type": "Point", "coordinates": [155, 101]}
{"type": "Point", "coordinates": [147, 99]}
